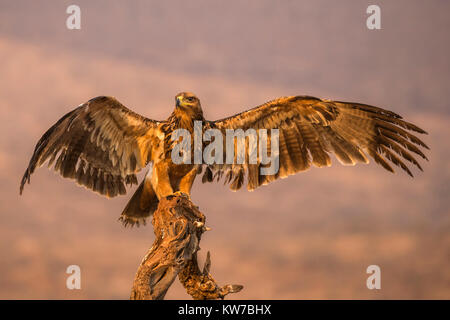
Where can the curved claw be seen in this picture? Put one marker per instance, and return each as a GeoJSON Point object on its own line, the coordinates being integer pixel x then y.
{"type": "Point", "coordinates": [181, 194]}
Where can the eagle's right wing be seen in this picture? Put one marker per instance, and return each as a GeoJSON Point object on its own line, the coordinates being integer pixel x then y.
{"type": "Point", "coordinates": [101, 144]}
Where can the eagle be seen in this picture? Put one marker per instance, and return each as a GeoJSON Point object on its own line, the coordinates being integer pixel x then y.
{"type": "Point", "coordinates": [102, 145]}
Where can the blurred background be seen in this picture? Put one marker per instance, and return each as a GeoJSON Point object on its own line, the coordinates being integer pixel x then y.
{"type": "Point", "coordinates": [311, 236]}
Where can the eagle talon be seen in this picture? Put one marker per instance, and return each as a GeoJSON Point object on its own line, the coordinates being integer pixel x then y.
{"type": "Point", "coordinates": [181, 194]}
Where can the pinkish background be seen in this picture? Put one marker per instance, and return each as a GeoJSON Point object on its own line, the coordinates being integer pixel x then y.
{"type": "Point", "coordinates": [311, 236]}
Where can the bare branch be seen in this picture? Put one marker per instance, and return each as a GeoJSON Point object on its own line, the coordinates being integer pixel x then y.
{"type": "Point", "coordinates": [178, 226]}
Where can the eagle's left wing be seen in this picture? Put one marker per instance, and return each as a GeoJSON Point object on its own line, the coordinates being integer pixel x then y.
{"type": "Point", "coordinates": [310, 129]}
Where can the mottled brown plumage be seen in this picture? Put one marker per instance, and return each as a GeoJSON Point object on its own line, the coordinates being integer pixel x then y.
{"type": "Point", "coordinates": [103, 145]}
{"type": "Point", "coordinates": [310, 129]}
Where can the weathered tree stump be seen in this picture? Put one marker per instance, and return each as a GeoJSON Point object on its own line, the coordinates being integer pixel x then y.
{"type": "Point", "coordinates": [178, 226]}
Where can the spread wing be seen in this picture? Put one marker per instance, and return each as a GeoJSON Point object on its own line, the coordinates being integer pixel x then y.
{"type": "Point", "coordinates": [310, 129]}
{"type": "Point", "coordinates": [101, 144]}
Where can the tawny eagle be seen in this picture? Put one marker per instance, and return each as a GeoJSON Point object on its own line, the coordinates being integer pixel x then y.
{"type": "Point", "coordinates": [102, 145]}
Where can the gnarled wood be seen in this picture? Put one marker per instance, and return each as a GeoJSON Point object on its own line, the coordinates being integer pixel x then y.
{"type": "Point", "coordinates": [178, 226]}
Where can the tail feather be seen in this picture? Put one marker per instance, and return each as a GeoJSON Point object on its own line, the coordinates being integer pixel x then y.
{"type": "Point", "coordinates": [142, 205]}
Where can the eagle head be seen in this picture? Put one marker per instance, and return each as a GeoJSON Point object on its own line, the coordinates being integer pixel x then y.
{"type": "Point", "coordinates": [188, 102]}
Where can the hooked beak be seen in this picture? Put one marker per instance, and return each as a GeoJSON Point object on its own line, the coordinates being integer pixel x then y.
{"type": "Point", "coordinates": [177, 102]}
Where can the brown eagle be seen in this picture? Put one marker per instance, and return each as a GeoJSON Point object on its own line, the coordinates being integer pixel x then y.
{"type": "Point", "coordinates": [102, 145]}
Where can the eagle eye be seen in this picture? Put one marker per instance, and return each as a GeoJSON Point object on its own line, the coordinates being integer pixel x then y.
{"type": "Point", "coordinates": [190, 99]}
